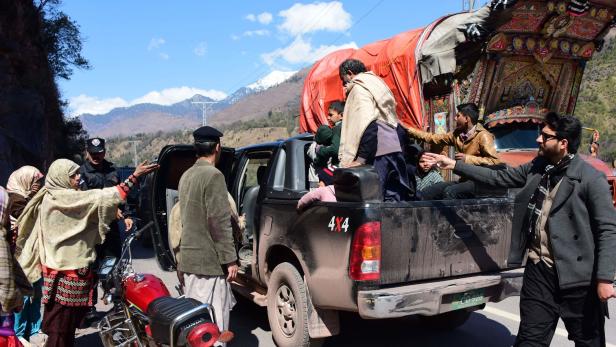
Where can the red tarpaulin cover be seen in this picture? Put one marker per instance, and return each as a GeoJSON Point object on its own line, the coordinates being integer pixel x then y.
{"type": "Point", "coordinates": [392, 59]}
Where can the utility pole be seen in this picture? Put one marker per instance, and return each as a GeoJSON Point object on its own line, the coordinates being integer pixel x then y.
{"type": "Point", "coordinates": [469, 3]}
{"type": "Point", "coordinates": [134, 143]}
{"type": "Point", "coordinates": [203, 110]}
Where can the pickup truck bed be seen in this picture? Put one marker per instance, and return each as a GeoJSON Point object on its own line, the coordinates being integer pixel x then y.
{"type": "Point", "coordinates": [379, 259]}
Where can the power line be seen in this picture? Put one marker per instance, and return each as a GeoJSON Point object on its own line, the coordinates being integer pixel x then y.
{"type": "Point", "coordinates": [360, 19]}
{"type": "Point", "coordinates": [352, 25]}
{"type": "Point", "coordinates": [203, 110]}
{"type": "Point", "coordinates": [251, 74]}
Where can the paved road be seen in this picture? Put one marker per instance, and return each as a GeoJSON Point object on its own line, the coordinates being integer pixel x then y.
{"type": "Point", "coordinates": [496, 326]}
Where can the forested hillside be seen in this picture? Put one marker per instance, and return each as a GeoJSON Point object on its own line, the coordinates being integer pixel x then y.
{"type": "Point", "coordinates": [596, 105]}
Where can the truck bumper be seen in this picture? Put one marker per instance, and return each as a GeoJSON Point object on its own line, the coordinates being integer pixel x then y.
{"type": "Point", "coordinates": [433, 298]}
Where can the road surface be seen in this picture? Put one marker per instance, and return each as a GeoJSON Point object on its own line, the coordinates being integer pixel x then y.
{"type": "Point", "coordinates": [495, 326]}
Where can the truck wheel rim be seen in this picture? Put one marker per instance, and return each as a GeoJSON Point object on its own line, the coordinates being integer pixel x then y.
{"type": "Point", "coordinates": [286, 311]}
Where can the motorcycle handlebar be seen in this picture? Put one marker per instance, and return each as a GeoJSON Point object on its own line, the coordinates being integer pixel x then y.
{"type": "Point", "coordinates": [140, 231]}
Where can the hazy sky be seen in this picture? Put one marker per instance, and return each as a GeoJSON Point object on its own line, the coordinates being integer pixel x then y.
{"type": "Point", "coordinates": [166, 51]}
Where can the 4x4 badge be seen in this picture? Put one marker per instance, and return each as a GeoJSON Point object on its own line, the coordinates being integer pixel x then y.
{"type": "Point", "coordinates": [336, 224]}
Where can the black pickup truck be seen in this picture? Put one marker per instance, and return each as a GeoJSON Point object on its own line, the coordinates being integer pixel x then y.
{"type": "Point", "coordinates": [437, 259]}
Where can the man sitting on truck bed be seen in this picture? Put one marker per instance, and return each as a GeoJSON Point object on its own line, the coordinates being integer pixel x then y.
{"type": "Point", "coordinates": [369, 133]}
{"type": "Point", "coordinates": [474, 145]}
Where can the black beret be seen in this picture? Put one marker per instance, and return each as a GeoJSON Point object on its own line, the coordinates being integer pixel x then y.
{"type": "Point", "coordinates": [95, 145]}
{"type": "Point", "coordinates": [207, 134]}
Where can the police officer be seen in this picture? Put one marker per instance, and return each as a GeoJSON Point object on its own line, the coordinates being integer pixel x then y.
{"type": "Point", "coordinates": [98, 173]}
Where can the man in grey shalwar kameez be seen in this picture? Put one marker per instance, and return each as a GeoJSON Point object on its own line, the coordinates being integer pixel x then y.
{"type": "Point", "coordinates": [206, 245]}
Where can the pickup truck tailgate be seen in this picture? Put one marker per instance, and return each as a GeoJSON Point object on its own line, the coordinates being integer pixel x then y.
{"type": "Point", "coordinates": [428, 240]}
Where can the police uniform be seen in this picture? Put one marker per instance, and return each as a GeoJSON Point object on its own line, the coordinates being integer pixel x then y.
{"type": "Point", "coordinates": [101, 177]}
{"type": "Point", "coordinates": [104, 176]}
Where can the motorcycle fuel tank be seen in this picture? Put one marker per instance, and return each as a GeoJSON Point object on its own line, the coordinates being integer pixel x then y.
{"type": "Point", "coordinates": [142, 289]}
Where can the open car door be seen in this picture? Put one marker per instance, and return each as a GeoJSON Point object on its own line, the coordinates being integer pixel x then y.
{"type": "Point", "coordinates": [174, 160]}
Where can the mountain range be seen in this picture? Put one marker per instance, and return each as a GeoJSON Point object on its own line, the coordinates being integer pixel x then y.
{"type": "Point", "coordinates": [277, 90]}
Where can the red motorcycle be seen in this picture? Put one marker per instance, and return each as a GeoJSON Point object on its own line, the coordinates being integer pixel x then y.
{"type": "Point", "coordinates": [144, 312]}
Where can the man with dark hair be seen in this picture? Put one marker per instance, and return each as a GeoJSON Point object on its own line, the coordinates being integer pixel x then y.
{"type": "Point", "coordinates": [350, 68]}
{"type": "Point", "coordinates": [564, 217]}
{"type": "Point", "coordinates": [473, 144]}
{"type": "Point", "coordinates": [369, 132]}
{"type": "Point", "coordinates": [426, 175]}
{"type": "Point", "coordinates": [206, 245]}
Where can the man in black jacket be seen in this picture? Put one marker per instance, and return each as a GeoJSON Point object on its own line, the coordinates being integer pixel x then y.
{"type": "Point", "coordinates": [565, 218]}
{"type": "Point", "coordinates": [98, 173]}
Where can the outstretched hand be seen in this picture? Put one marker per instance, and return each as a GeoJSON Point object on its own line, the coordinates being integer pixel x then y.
{"type": "Point", "coordinates": [441, 161]}
{"type": "Point", "coordinates": [144, 168]}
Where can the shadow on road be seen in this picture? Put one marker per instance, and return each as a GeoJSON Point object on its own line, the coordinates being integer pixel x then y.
{"type": "Point", "coordinates": [88, 338]}
{"type": "Point", "coordinates": [245, 318]}
{"type": "Point", "coordinates": [405, 332]}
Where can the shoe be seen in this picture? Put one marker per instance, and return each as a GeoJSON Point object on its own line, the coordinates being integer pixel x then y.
{"type": "Point", "coordinates": [91, 317]}
{"type": "Point", "coordinates": [226, 336]}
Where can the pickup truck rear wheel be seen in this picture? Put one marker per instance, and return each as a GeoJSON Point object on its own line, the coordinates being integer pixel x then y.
{"type": "Point", "coordinates": [287, 307]}
{"type": "Point", "coordinates": [446, 321]}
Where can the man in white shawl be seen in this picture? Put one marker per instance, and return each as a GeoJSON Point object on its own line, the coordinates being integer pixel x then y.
{"type": "Point", "coordinates": [370, 132]}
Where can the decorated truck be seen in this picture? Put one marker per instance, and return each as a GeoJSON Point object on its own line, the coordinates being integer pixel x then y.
{"type": "Point", "coordinates": [514, 59]}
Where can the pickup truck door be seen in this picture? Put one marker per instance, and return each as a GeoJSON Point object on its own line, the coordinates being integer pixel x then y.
{"type": "Point", "coordinates": [250, 175]}
{"type": "Point", "coordinates": [174, 160]}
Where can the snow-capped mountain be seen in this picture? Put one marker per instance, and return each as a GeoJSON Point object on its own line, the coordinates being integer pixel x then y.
{"type": "Point", "coordinates": [246, 102]}
{"type": "Point", "coordinates": [272, 79]}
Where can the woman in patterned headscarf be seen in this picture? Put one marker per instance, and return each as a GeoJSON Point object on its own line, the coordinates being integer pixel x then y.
{"type": "Point", "coordinates": [22, 185]}
{"type": "Point", "coordinates": [58, 232]}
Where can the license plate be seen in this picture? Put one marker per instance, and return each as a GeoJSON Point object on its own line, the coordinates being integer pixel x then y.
{"type": "Point", "coordinates": [467, 299]}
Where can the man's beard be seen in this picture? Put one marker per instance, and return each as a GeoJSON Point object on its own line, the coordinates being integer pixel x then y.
{"type": "Point", "coordinates": [547, 153]}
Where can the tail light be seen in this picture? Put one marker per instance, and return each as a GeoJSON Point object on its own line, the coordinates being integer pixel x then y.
{"type": "Point", "coordinates": [365, 263]}
{"type": "Point", "coordinates": [203, 335]}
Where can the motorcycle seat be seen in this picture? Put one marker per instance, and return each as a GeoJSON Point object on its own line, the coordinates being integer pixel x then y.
{"type": "Point", "coordinates": [164, 310]}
